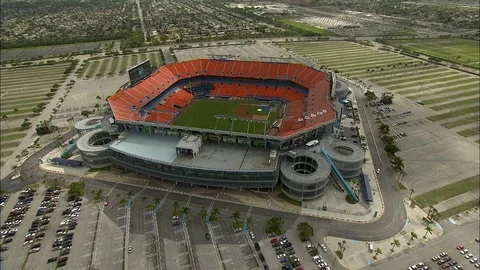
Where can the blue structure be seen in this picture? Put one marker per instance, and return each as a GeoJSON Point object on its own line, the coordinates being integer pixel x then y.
{"type": "Point", "coordinates": [366, 190]}
{"type": "Point", "coordinates": [339, 176]}
{"type": "Point", "coordinates": [68, 150]}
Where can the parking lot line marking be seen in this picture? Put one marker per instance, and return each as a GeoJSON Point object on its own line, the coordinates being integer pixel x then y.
{"type": "Point", "coordinates": [219, 237]}
{"type": "Point", "coordinates": [92, 222]}
{"type": "Point", "coordinates": [86, 255]}
{"type": "Point", "coordinates": [248, 257]}
{"type": "Point", "coordinates": [118, 249]}
{"type": "Point", "coordinates": [223, 248]}
{"type": "Point", "coordinates": [118, 261]}
{"type": "Point", "coordinates": [227, 260]}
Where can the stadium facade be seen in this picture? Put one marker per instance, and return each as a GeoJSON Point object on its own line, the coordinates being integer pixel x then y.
{"type": "Point", "coordinates": [143, 134]}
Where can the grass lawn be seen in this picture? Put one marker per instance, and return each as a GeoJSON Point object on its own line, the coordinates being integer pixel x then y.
{"type": "Point", "coordinates": [84, 69]}
{"type": "Point", "coordinates": [20, 111]}
{"type": "Point", "coordinates": [459, 208]}
{"type": "Point", "coordinates": [11, 130]}
{"type": "Point", "coordinates": [143, 57]}
{"type": "Point", "coordinates": [114, 65]}
{"type": "Point", "coordinates": [463, 51]}
{"type": "Point", "coordinates": [446, 192]}
{"type": "Point", "coordinates": [455, 104]}
{"type": "Point", "coordinates": [40, 99]}
{"type": "Point", "coordinates": [5, 153]}
{"type": "Point", "coordinates": [201, 114]}
{"type": "Point", "coordinates": [453, 113]}
{"type": "Point", "coordinates": [288, 199]}
{"type": "Point", "coordinates": [134, 60]}
{"type": "Point", "coordinates": [93, 68]}
{"type": "Point", "coordinates": [12, 137]}
{"type": "Point", "coordinates": [309, 28]}
{"type": "Point", "coordinates": [438, 86]}
{"type": "Point", "coordinates": [447, 98]}
{"type": "Point", "coordinates": [124, 64]}
{"type": "Point", "coordinates": [104, 66]}
{"type": "Point", "coordinates": [463, 121]}
{"type": "Point", "coordinates": [469, 132]}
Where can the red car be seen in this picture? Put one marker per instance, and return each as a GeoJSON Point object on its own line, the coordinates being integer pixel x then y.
{"type": "Point", "coordinates": [106, 203]}
{"type": "Point", "coordinates": [300, 268]}
{"type": "Point", "coordinates": [460, 247]}
{"type": "Point", "coordinates": [274, 240]}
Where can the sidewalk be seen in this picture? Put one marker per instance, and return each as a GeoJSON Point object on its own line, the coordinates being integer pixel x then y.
{"type": "Point", "coordinates": [357, 256]}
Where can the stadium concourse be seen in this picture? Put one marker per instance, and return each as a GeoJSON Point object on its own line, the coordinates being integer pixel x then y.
{"type": "Point", "coordinates": [231, 124]}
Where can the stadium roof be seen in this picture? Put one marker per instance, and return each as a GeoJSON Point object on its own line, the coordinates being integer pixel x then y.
{"type": "Point", "coordinates": [160, 97]}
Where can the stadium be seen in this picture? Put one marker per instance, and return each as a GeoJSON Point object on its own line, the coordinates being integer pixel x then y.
{"type": "Point", "coordinates": [222, 122]}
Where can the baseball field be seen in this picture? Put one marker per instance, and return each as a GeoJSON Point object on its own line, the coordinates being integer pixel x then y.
{"type": "Point", "coordinates": [244, 116]}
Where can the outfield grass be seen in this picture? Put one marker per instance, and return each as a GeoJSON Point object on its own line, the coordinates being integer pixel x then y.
{"type": "Point", "coordinates": [463, 51]}
{"type": "Point", "coordinates": [12, 137]}
{"type": "Point", "coordinates": [93, 68]}
{"type": "Point", "coordinates": [22, 101]}
{"type": "Point", "coordinates": [201, 114]}
{"type": "Point", "coordinates": [85, 67]}
{"type": "Point", "coordinates": [459, 209]}
{"type": "Point", "coordinates": [463, 121]}
{"type": "Point", "coordinates": [455, 104]}
{"type": "Point", "coordinates": [114, 65]}
{"type": "Point", "coordinates": [104, 66]}
{"type": "Point", "coordinates": [446, 192]}
{"type": "Point", "coordinates": [309, 28]}
{"type": "Point", "coordinates": [469, 132]}
{"type": "Point", "coordinates": [124, 64]}
{"type": "Point", "coordinates": [453, 114]}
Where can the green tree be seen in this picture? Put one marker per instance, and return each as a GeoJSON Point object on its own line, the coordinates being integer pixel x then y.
{"type": "Point", "coordinates": [249, 221]}
{"type": "Point", "coordinates": [387, 98]}
{"type": "Point", "coordinates": [215, 212]}
{"type": "Point", "coordinates": [157, 200]}
{"type": "Point", "coordinates": [391, 148]}
{"type": "Point", "coordinates": [235, 215]}
{"type": "Point", "coordinates": [144, 198]}
{"type": "Point", "coordinates": [378, 251]}
{"type": "Point", "coordinates": [305, 230]}
{"type": "Point", "coordinates": [176, 205]}
{"type": "Point", "coordinates": [387, 139]}
{"type": "Point", "coordinates": [411, 192]}
{"type": "Point", "coordinates": [129, 194]}
{"type": "Point", "coordinates": [85, 113]}
{"type": "Point", "coordinates": [274, 225]}
{"type": "Point", "coordinates": [370, 95]}
{"type": "Point", "coordinates": [384, 129]}
{"type": "Point", "coordinates": [395, 243]}
{"type": "Point", "coordinates": [203, 213]}
{"type": "Point", "coordinates": [15, 110]}
{"type": "Point", "coordinates": [397, 164]}
{"type": "Point", "coordinates": [123, 201]}
{"type": "Point", "coordinates": [413, 236]}
{"type": "Point", "coordinates": [428, 230]}
{"type": "Point", "coordinates": [76, 189]}
{"type": "Point", "coordinates": [185, 211]}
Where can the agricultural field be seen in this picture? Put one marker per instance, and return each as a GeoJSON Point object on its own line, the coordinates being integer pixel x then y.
{"type": "Point", "coordinates": [453, 95]}
{"type": "Point", "coordinates": [118, 65]}
{"type": "Point", "coordinates": [462, 51]}
{"type": "Point", "coordinates": [201, 114]}
{"type": "Point", "coordinates": [23, 90]}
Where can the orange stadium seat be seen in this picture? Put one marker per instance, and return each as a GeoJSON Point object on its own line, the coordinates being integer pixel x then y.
{"type": "Point", "coordinates": [242, 90]}
{"type": "Point", "coordinates": [280, 91]}
{"type": "Point", "coordinates": [282, 70]}
{"type": "Point", "coordinates": [264, 70]}
{"type": "Point", "coordinates": [246, 70]}
{"type": "Point", "coordinates": [252, 89]}
{"type": "Point", "coordinates": [223, 89]}
{"type": "Point", "coordinates": [173, 69]}
{"type": "Point", "coordinates": [181, 70]}
{"type": "Point", "coordinates": [233, 90]}
{"type": "Point", "coordinates": [261, 91]}
{"type": "Point", "coordinates": [216, 88]}
{"type": "Point", "coordinates": [220, 69]}
{"type": "Point", "coordinates": [255, 70]}
{"type": "Point", "coordinates": [211, 68]}
{"type": "Point", "coordinates": [196, 68]}
{"type": "Point", "coordinates": [270, 91]}
{"type": "Point", "coordinates": [228, 69]}
{"type": "Point", "coordinates": [237, 69]}
{"type": "Point", "coordinates": [298, 76]}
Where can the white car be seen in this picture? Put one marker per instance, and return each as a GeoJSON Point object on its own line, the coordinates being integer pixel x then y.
{"type": "Point", "coordinates": [468, 256]}
{"type": "Point", "coordinates": [324, 248]}
{"type": "Point", "coordinates": [252, 235]}
{"type": "Point", "coordinates": [378, 171]}
{"type": "Point", "coordinates": [474, 260]}
{"type": "Point", "coordinates": [464, 251]}
{"type": "Point", "coordinates": [33, 250]}
{"type": "Point", "coordinates": [27, 242]}
{"type": "Point", "coordinates": [281, 255]}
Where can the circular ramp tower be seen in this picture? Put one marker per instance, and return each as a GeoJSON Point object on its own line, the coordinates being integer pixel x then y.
{"type": "Point", "coordinates": [347, 157]}
{"type": "Point", "coordinates": [93, 147]}
{"type": "Point", "coordinates": [85, 125]}
{"type": "Point", "coordinates": [304, 175]}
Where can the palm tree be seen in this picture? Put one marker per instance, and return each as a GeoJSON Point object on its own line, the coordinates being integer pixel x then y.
{"type": "Point", "coordinates": [249, 221]}
{"type": "Point", "coordinates": [157, 200]}
{"type": "Point", "coordinates": [203, 213]}
{"type": "Point", "coordinates": [15, 110]}
{"type": "Point", "coordinates": [378, 251]}
{"type": "Point", "coordinates": [428, 230]}
{"type": "Point", "coordinates": [411, 192]}
{"type": "Point", "coordinates": [144, 198]}
{"type": "Point", "coordinates": [5, 118]}
{"type": "Point", "coordinates": [215, 212]}
{"type": "Point", "coordinates": [176, 205]}
{"type": "Point", "coordinates": [117, 195]}
{"type": "Point", "coordinates": [185, 211]}
{"type": "Point", "coordinates": [235, 215]}
{"type": "Point", "coordinates": [413, 236]}
{"type": "Point", "coordinates": [93, 192]}
{"type": "Point", "coordinates": [395, 243]}
{"type": "Point", "coordinates": [129, 194]}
